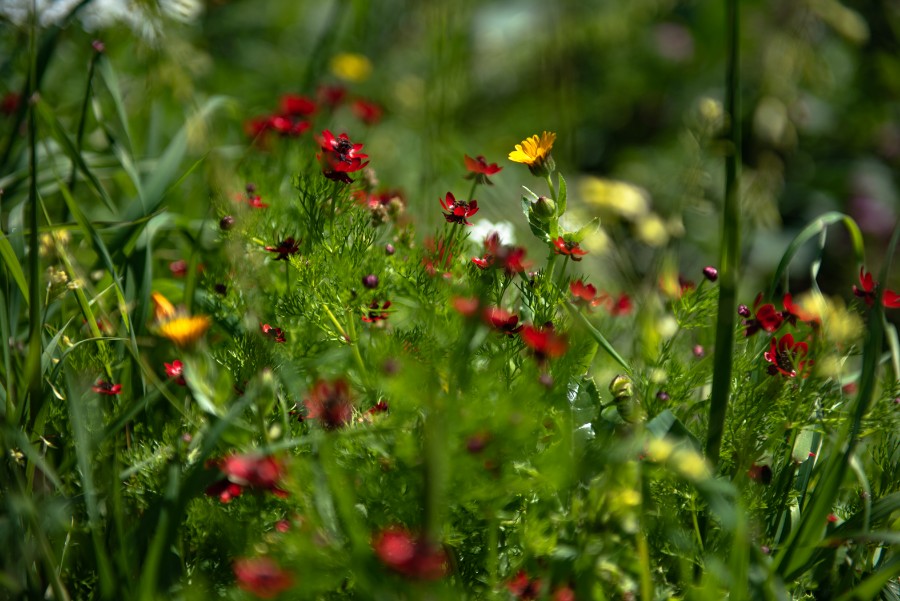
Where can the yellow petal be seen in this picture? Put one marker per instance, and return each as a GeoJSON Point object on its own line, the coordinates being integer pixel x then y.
{"type": "Point", "coordinates": [185, 330]}
{"type": "Point", "coordinates": [164, 310]}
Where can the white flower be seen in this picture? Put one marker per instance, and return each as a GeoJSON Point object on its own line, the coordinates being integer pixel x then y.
{"type": "Point", "coordinates": [483, 228]}
{"type": "Point", "coordinates": [144, 17]}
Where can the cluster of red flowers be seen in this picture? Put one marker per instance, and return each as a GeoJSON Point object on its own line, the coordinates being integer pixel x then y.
{"type": "Point", "coordinates": [410, 555]}
{"type": "Point", "coordinates": [246, 471]}
{"type": "Point", "coordinates": [340, 156]}
{"type": "Point", "coordinates": [295, 112]}
{"type": "Point", "coordinates": [377, 313]}
{"type": "Point", "coordinates": [501, 256]}
{"type": "Point", "coordinates": [866, 291]}
{"type": "Point", "coordinates": [586, 295]}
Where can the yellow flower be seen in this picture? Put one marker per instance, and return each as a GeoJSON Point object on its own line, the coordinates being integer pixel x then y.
{"type": "Point", "coordinates": [185, 330]}
{"type": "Point", "coordinates": [535, 152]}
{"type": "Point", "coordinates": [351, 67]}
{"type": "Point", "coordinates": [164, 310]}
{"type": "Point", "coordinates": [181, 329]}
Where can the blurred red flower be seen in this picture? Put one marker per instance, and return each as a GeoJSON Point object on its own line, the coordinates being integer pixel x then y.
{"type": "Point", "coordinates": [480, 170]}
{"type": "Point", "coordinates": [261, 577]}
{"type": "Point", "coordinates": [296, 105]}
{"type": "Point", "coordinates": [175, 370]}
{"type": "Point", "coordinates": [523, 587]}
{"type": "Point", "coordinates": [544, 342]}
{"type": "Point", "coordinates": [330, 403]}
{"type": "Point", "coordinates": [569, 249]}
{"type": "Point", "coordinates": [107, 388]}
{"type": "Point", "coordinates": [410, 555]}
{"type": "Point", "coordinates": [866, 291]}
{"type": "Point", "coordinates": [367, 112]}
{"type": "Point", "coordinates": [285, 248]}
{"type": "Point", "coordinates": [503, 321]}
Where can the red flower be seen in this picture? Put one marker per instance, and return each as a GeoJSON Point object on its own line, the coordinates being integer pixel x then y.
{"type": "Point", "coordinates": [787, 357]}
{"type": "Point", "coordinates": [9, 104]}
{"type": "Point", "coordinates": [585, 294]}
{"type": "Point", "coordinates": [889, 298]}
{"type": "Point", "coordinates": [479, 170]}
{"type": "Point", "coordinates": [367, 112]}
{"type": "Point", "coordinates": [793, 313]}
{"type": "Point", "coordinates": [175, 370]}
{"type": "Point", "coordinates": [458, 211]}
{"type": "Point", "coordinates": [760, 473]}
{"type": "Point", "coordinates": [256, 202]}
{"type": "Point", "coordinates": [285, 248]}
{"type": "Point", "coordinates": [273, 332]}
{"type": "Point", "coordinates": [295, 105]}
{"type": "Point", "coordinates": [340, 156]}
{"type": "Point", "coordinates": [108, 388]}
{"type": "Point", "coordinates": [523, 587]}
{"type": "Point", "coordinates": [502, 321]}
{"type": "Point", "coordinates": [766, 317]}
{"type": "Point", "coordinates": [225, 490]}
{"type": "Point", "coordinates": [377, 313]}
{"type": "Point", "coordinates": [247, 471]}
{"type": "Point", "coordinates": [619, 306]}
{"type": "Point", "coordinates": [509, 258]}
{"type": "Point", "coordinates": [564, 593]}
{"type": "Point", "coordinates": [410, 555]}
{"type": "Point", "coordinates": [331, 96]}
{"type": "Point", "coordinates": [467, 307]}
{"type": "Point", "coordinates": [330, 403]}
{"type": "Point", "coordinates": [261, 577]}
{"type": "Point", "coordinates": [569, 248]}
{"type": "Point", "coordinates": [178, 268]}
{"type": "Point", "coordinates": [438, 257]}
{"type": "Point", "coordinates": [544, 342]}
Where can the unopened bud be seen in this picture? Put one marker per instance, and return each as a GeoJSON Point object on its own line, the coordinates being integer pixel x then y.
{"type": "Point", "coordinates": [544, 209]}
{"type": "Point", "coordinates": [711, 273]}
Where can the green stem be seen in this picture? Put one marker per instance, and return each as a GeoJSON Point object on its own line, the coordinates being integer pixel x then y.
{"type": "Point", "coordinates": [33, 364]}
{"type": "Point", "coordinates": [82, 119]}
{"type": "Point", "coordinates": [472, 189]}
{"type": "Point", "coordinates": [551, 186]}
{"type": "Point", "coordinates": [730, 251]}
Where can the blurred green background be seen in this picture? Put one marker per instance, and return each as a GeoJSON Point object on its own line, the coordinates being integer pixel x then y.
{"type": "Point", "coordinates": [633, 90]}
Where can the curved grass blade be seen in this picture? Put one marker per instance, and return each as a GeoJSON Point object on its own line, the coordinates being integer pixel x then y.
{"type": "Point", "coordinates": [815, 228]}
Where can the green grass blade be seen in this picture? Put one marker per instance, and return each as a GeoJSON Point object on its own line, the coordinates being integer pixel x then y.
{"type": "Point", "coordinates": [816, 228]}
{"type": "Point", "coordinates": [13, 265]}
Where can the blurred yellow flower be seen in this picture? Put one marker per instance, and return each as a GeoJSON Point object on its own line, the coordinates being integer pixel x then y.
{"type": "Point", "coordinates": [185, 330]}
{"type": "Point", "coordinates": [535, 152]}
{"type": "Point", "coordinates": [614, 197]}
{"type": "Point", "coordinates": [181, 329]}
{"type": "Point", "coordinates": [351, 67]}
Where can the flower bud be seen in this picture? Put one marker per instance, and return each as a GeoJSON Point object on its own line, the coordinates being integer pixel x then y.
{"type": "Point", "coordinates": [621, 386]}
{"type": "Point", "coordinates": [544, 209]}
{"type": "Point", "coordinates": [711, 273]}
{"type": "Point", "coordinates": [370, 281]}
{"type": "Point", "coordinates": [226, 223]}
{"type": "Point", "coordinates": [744, 311]}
